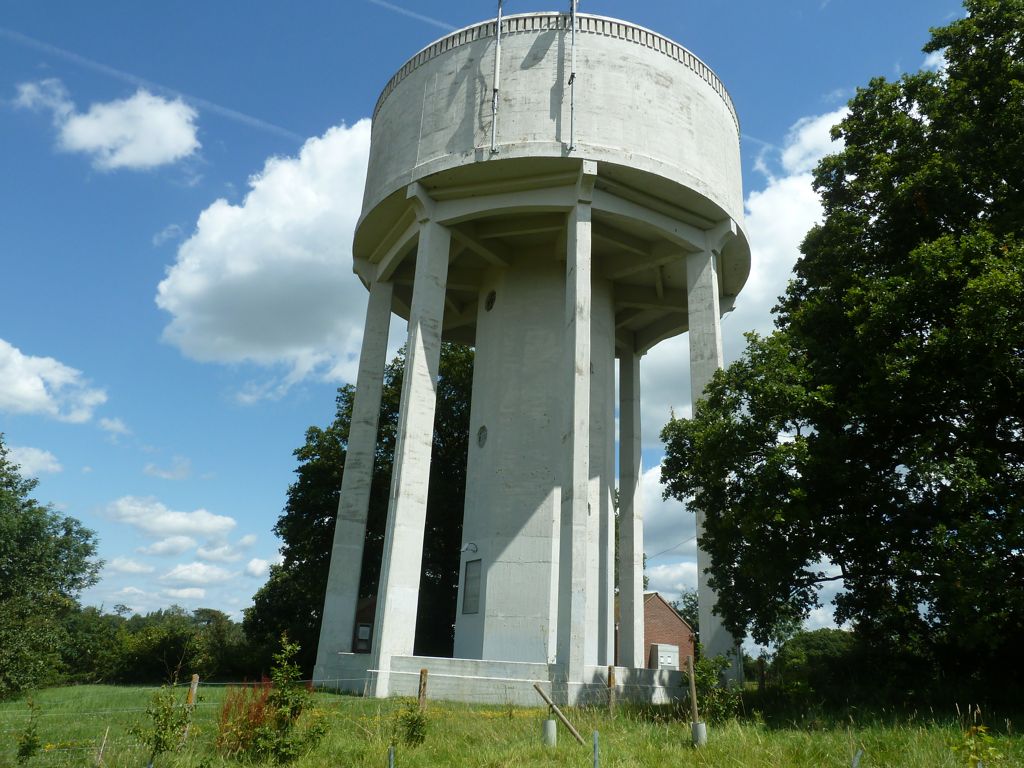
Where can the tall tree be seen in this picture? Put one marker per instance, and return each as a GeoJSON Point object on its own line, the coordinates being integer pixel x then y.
{"type": "Point", "coordinates": [293, 597]}
{"type": "Point", "coordinates": [880, 428]}
{"type": "Point", "coordinates": [46, 559]}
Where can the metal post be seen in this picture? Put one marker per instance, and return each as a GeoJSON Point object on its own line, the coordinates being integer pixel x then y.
{"type": "Point", "coordinates": [572, 78]}
{"type": "Point", "coordinates": [497, 83]}
{"type": "Point", "coordinates": [597, 759]}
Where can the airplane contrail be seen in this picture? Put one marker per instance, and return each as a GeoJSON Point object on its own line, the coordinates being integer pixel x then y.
{"type": "Point", "coordinates": [127, 77]}
{"type": "Point", "coordinates": [413, 15]}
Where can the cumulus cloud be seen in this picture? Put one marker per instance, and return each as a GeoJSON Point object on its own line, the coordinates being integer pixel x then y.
{"type": "Point", "coordinates": [42, 385]}
{"type": "Point", "coordinates": [152, 517]}
{"type": "Point", "coordinates": [170, 232]}
{"type": "Point", "coordinates": [269, 281]}
{"type": "Point", "coordinates": [197, 573]}
{"type": "Point", "coordinates": [935, 61]}
{"type": "Point", "coordinates": [180, 469]}
{"type": "Point", "coordinates": [671, 579]}
{"type": "Point", "coordinates": [141, 132]}
{"type": "Point", "coordinates": [226, 553]}
{"type": "Point", "coordinates": [172, 545]}
{"type": "Point", "coordinates": [127, 565]}
{"type": "Point", "coordinates": [670, 529]}
{"type": "Point", "coordinates": [257, 567]}
{"type": "Point", "coordinates": [809, 140]}
{"type": "Point", "coordinates": [115, 427]}
{"type": "Point", "coordinates": [186, 593]}
{"type": "Point", "coordinates": [34, 461]}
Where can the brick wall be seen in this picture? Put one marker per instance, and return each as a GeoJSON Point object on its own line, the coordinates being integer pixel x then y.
{"type": "Point", "coordinates": [663, 625]}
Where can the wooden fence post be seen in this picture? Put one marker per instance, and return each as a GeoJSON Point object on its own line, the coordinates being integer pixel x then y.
{"type": "Point", "coordinates": [611, 689]}
{"type": "Point", "coordinates": [423, 690]}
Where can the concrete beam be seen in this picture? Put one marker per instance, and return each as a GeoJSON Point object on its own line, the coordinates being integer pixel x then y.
{"type": "Point", "coordinates": [684, 235]}
{"type": "Point", "coordinates": [643, 297]}
{"type": "Point", "coordinates": [665, 327]}
{"type": "Point", "coordinates": [631, 518]}
{"type": "Point", "coordinates": [572, 592]}
{"type": "Point", "coordinates": [338, 622]}
{"type": "Point", "coordinates": [456, 211]}
{"type": "Point", "coordinates": [706, 357]}
{"type": "Point", "coordinates": [518, 226]}
{"type": "Point", "coordinates": [493, 253]}
{"type": "Point", "coordinates": [622, 240]}
{"type": "Point", "coordinates": [398, 592]}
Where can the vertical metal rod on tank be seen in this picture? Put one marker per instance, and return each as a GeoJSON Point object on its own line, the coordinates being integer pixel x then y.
{"type": "Point", "coordinates": [497, 84]}
{"type": "Point", "coordinates": [572, 78]}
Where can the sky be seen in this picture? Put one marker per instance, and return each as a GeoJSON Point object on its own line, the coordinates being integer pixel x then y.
{"type": "Point", "coordinates": [179, 184]}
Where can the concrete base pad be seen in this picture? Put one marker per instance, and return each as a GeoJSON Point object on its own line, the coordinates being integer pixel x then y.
{"type": "Point", "coordinates": [503, 682]}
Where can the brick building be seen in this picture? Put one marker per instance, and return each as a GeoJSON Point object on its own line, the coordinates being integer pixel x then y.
{"type": "Point", "coordinates": [663, 625]}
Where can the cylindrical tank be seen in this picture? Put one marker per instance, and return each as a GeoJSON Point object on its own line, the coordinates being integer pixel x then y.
{"type": "Point", "coordinates": [661, 137]}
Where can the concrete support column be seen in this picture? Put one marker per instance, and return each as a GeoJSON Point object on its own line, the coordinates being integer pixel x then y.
{"type": "Point", "coordinates": [631, 518]}
{"type": "Point", "coordinates": [338, 620]}
{"type": "Point", "coordinates": [705, 358]}
{"type": "Point", "coordinates": [575, 507]}
{"type": "Point", "coordinates": [398, 592]}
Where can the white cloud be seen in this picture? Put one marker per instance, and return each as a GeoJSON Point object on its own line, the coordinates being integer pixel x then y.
{"type": "Point", "coordinates": [114, 426]}
{"type": "Point", "coordinates": [127, 565]}
{"type": "Point", "coordinates": [170, 232]}
{"type": "Point", "coordinates": [257, 567]}
{"type": "Point", "coordinates": [150, 516]}
{"type": "Point", "coordinates": [141, 132]}
{"type": "Point", "coordinates": [809, 140]}
{"type": "Point", "coordinates": [226, 553]}
{"type": "Point", "coordinates": [34, 461]}
{"type": "Point", "coordinates": [270, 281]}
{"type": "Point", "coordinates": [49, 94]}
{"type": "Point", "coordinates": [180, 469]}
{"type": "Point", "coordinates": [46, 386]}
{"type": "Point", "coordinates": [172, 545]}
{"type": "Point", "coordinates": [131, 592]}
{"type": "Point", "coordinates": [935, 61]}
{"type": "Point", "coordinates": [672, 578]}
{"type": "Point", "coordinates": [197, 573]}
{"type": "Point", "coordinates": [669, 528]}
{"type": "Point", "coordinates": [186, 593]}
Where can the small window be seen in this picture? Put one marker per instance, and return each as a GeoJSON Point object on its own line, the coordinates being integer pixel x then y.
{"type": "Point", "coordinates": [471, 588]}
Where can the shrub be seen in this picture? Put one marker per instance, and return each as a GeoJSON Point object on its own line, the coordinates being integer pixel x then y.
{"type": "Point", "coordinates": [412, 724]}
{"type": "Point", "coordinates": [261, 722]}
{"type": "Point", "coordinates": [715, 702]}
{"type": "Point", "coordinates": [167, 723]}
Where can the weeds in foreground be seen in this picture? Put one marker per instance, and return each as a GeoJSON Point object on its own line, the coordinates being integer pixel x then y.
{"type": "Point", "coordinates": [261, 722]}
{"type": "Point", "coordinates": [412, 724]}
{"type": "Point", "coordinates": [28, 740]}
{"type": "Point", "coordinates": [168, 720]}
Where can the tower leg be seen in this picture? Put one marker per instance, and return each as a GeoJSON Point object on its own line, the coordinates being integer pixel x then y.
{"type": "Point", "coordinates": [398, 592]}
{"type": "Point", "coordinates": [338, 620]}
{"type": "Point", "coordinates": [631, 519]}
{"type": "Point", "coordinates": [706, 358]}
{"type": "Point", "coordinates": [572, 592]}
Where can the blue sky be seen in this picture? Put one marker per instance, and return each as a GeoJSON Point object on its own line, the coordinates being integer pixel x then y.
{"type": "Point", "coordinates": [178, 187]}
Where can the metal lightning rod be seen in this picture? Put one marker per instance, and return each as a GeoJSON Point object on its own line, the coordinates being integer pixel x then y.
{"type": "Point", "coordinates": [572, 78]}
{"type": "Point", "coordinates": [497, 85]}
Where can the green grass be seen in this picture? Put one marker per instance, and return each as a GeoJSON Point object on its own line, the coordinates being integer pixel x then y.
{"type": "Point", "coordinates": [73, 721]}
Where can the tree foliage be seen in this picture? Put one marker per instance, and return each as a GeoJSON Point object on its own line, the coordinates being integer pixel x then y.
{"type": "Point", "coordinates": [880, 427]}
{"type": "Point", "coordinates": [46, 559]}
{"type": "Point", "coordinates": [292, 599]}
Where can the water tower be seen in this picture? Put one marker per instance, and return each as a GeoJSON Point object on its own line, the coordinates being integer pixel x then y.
{"type": "Point", "coordinates": [562, 192]}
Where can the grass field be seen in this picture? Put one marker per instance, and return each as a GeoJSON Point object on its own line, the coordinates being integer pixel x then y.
{"type": "Point", "coordinates": [74, 722]}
